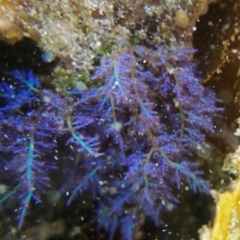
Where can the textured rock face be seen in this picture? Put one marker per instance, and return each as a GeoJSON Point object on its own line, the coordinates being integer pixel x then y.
{"type": "Point", "coordinates": [76, 30]}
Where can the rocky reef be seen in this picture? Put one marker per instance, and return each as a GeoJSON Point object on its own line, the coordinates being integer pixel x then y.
{"type": "Point", "coordinates": [109, 114]}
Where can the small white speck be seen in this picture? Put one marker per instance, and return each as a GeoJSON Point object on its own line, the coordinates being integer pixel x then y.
{"type": "Point", "coordinates": [100, 183]}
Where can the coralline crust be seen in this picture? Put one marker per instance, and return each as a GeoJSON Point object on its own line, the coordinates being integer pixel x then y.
{"type": "Point", "coordinates": [74, 31]}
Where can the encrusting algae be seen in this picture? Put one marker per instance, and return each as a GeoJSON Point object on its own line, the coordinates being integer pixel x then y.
{"type": "Point", "coordinates": [75, 31]}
